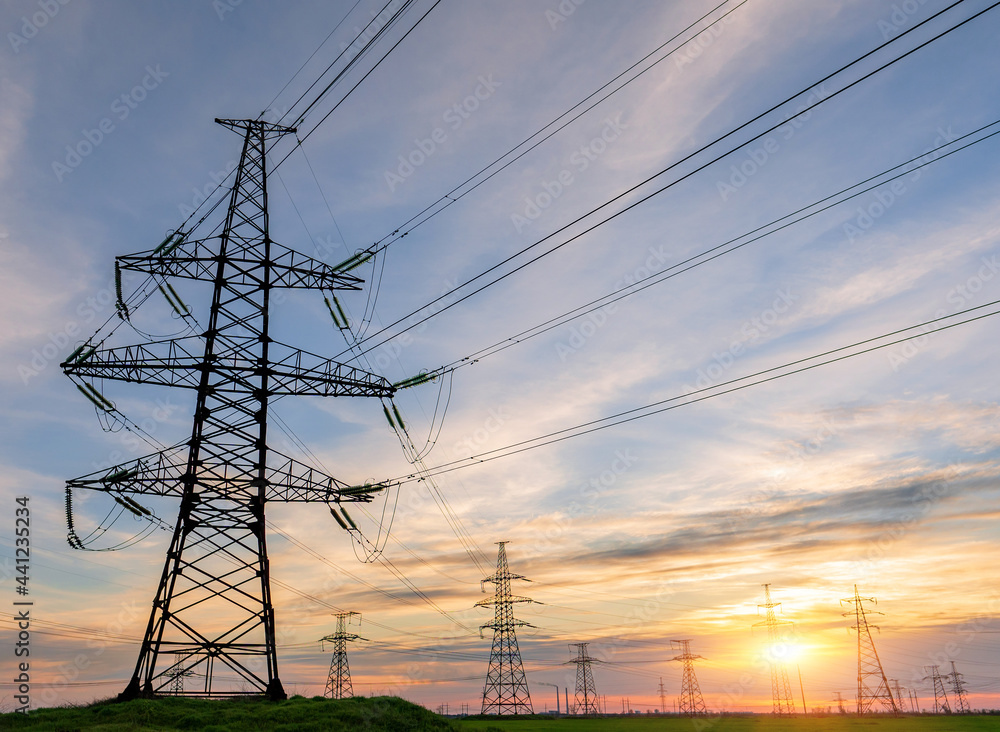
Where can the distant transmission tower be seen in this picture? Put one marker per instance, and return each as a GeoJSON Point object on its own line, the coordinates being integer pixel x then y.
{"type": "Point", "coordinates": [898, 693]}
{"type": "Point", "coordinates": [506, 689]}
{"type": "Point", "coordinates": [958, 688]}
{"type": "Point", "coordinates": [781, 690]}
{"type": "Point", "coordinates": [941, 705]}
{"type": "Point", "coordinates": [585, 700]}
{"type": "Point", "coordinates": [840, 703]}
{"type": "Point", "coordinates": [663, 698]}
{"type": "Point", "coordinates": [869, 666]}
{"type": "Point", "coordinates": [213, 604]}
{"type": "Point", "coordinates": [338, 681]}
{"type": "Point", "coordinates": [177, 673]}
{"type": "Point", "coordinates": [691, 699]}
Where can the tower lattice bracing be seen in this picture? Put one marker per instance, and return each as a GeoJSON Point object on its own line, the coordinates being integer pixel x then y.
{"type": "Point", "coordinates": [874, 693]}
{"type": "Point", "coordinates": [585, 698]}
{"type": "Point", "coordinates": [691, 701]}
{"type": "Point", "coordinates": [941, 705]}
{"type": "Point", "coordinates": [958, 689]}
{"type": "Point", "coordinates": [506, 689]}
{"type": "Point", "coordinates": [781, 689]}
{"type": "Point", "coordinates": [338, 681]}
{"type": "Point", "coordinates": [213, 604]}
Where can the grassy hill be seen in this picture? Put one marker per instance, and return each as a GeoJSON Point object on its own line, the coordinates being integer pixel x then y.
{"type": "Point", "coordinates": [390, 714]}
{"type": "Point", "coordinates": [298, 713]}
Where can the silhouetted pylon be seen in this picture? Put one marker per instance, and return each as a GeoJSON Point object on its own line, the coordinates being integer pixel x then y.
{"type": "Point", "coordinates": [781, 690]}
{"type": "Point", "coordinates": [338, 681]}
{"type": "Point", "coordinates": [869, 666]}
{"type": "Point", "coordinates": [941, 705]}
{"type": "Point", "coordinates": [958, 687]}
{"type": "Point", "coordinates": [691, 700]}
{"type": "Point", "coordinates": [585, 699]}
{"type": "Point", "coordinates": [506, 689]}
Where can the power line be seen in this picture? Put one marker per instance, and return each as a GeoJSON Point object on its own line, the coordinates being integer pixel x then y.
{"type": "Point", "coordinates": [647, 197]}
{"type": "Point", "coordinates": [706, 393]}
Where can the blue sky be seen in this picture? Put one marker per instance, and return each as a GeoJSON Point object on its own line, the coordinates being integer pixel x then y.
{"type": "Point", "coordinates": [879, 470]}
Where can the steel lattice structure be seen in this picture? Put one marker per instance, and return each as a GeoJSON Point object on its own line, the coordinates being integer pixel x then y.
{"type": "Point", "coordinates": [338, 681]}
{"type": "Point", "coordinates": [213, 604]}
{"type": "Point", "coordinates": [869, 665]}
{"type": "Point", "coordinates": [506, 689]}
{"type": "Point", "coordinates": [958, 688]}
{"type": "Point", "coordinates": [585, 697]}
{"type": "Point", "coordinates": [941, 705]}
{"type": "Point", "coordinates": [781, 690]}
{"type": "Point", "coordinates": [691, 701]}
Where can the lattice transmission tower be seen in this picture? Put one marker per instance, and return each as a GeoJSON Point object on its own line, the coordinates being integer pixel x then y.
{"type": "Point", "coordinates": [691, 700]}
{"type": "Point", "coordinates": [781, 689]}
{"type": "Point", "coordinates": [213, 604]}
{"type": "Point", "coordinates": [958, 689]}
{"type": "Point", "coordinates": [338, 681]}
{"type": "Point", "coordinates": [585, 700]}
{"type": "Point", "coordinates": [869, 666]}
{"type": "Point", "coordinates": [941, 705]}
{"type": "Point", "coordinates": [506, 689]}
{"type": "Point", "coordinates": [177, 673]}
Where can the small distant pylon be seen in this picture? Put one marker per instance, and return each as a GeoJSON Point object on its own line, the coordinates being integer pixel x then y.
{"type": "Point", "coordinates": [663, 698]}
{"type": "Point", "coordinates": [691, 699]}
{"type": "Point", "coordinates": [840, 703]}
{"type": "Point", "coordinates": [176, 674]}
{"type": "Point", "coordinates": [585, 699]}
{"type": "Point", "coordinates": [506, 689]}
{"type": "Point", "coordinates": [898, 693]}
{"type": "Point", "coordinates": [941, 705]}
{"type": "Point", "coordinates": [869, 665]}
{"type": "Point", "coordinates": [781, 690]}
{"type": "Point", "coordinates": [338, 681]}
{"type": "Point", "coordinates": [958, 688]}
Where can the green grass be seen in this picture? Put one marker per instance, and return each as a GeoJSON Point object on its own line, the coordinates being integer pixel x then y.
{"type": "Point", "coordinates": [736, 724]}
{"type": "Point", "coordinates": [390, 714]}
{"type": "Point", "coordinates": [378, 714]}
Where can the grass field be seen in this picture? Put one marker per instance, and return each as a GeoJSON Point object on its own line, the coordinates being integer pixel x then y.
{"type": "Point", "coordinates": [389, 714]}
{"type": "Point", "coordinates": [738, 724]}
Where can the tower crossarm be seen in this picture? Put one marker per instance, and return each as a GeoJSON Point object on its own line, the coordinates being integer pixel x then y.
{"type": "Point", "coordinates": [178, 362]}
{"type": "Point", "coordinates": [165, 474]}
{"type": "Point", "coordinates": [198, 259]}
{"type": "Point", "coordinates": [509, 598]}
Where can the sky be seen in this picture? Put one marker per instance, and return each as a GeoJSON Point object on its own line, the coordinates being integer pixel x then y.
{"type": "Point", "coordinates": [878, 471]}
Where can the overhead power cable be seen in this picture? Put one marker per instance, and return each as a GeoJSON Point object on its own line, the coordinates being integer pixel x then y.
{"type": "Point", "coordinates": [413, 323]}
{"type": "Point", "coordinates": [754, 235]}
{"type": "Point", "coordinates": [842, 353]}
